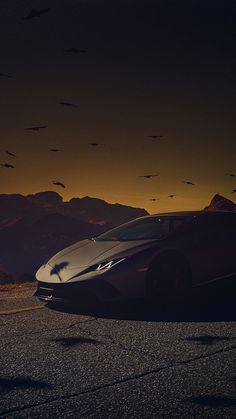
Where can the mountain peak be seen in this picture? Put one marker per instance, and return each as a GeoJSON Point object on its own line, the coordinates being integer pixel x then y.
{"type": "Point", "coordinates": [220, 203]}
{"type": "Point", "coordinates": [46, 198]}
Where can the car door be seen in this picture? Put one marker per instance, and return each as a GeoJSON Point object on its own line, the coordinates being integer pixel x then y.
{"type": "Point", "coordinates": [227, 233]}
{"type": "Point", "coordinates": [207, 249]}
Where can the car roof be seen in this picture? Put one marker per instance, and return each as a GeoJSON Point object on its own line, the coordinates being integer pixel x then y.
{"type": "Point", "coordinates": [179, 213]}
{"type": "Point", "coordinates": [188, 213]}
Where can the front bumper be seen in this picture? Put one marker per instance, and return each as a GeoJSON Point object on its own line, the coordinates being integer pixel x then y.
{"type": "Point", "coordinates": [78, 292]}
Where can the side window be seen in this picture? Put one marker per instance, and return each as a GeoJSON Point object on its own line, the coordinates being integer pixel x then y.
{"type": "Point", "coordinates": [217, 227]}
{"type": "Point", "coordinates": [207, 228]}
{"type": "Point", "coordinates": [177, 223]}
{"type": "Point", "coordinates": [184, 228]}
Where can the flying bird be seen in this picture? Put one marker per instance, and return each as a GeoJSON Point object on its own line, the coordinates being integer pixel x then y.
{"type": "Point", "coordinates": [58, 184]}
{"type": "Point", "coordinates": [10, 154]}
{"type": "Point", "coordinates": [230, 174]}
{"type": "Point", "coordinates": [8, 166]}
{"type": "Point", "coordinates": [148, 176]}
{"type": "Point", "coordinates": [68, 104]}
{"type": "Point", "coordinates": [36, 13]}
{"type": "Point", "coordinates": [7, 76]}
{"type": "Point", "coordinates": [36, 128]}
{"type": "Point", "coordinates": [155, 136]}
{"type": "Point", "coordinates": [76, 50]}
{"type": "Point", "coordinates": [188, 183]}
{"type": "Point", "coordinates": [95, 144]}
{"type": "Point", "coordinates": [233, 191]}
{"type": "Point", "coordinates": [54, 150]}
{"type": "Point", "coordinates": [171, 196]}
{"type": "Point", "coordinates": [154, 199]}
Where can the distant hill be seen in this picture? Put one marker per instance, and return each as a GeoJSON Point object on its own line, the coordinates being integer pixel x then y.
{"type": "Point", "coordinates": [91, 210]}
{"type": "Point", "coordinates": [220, 203]}
{"type": "Point", "coordinates": [34, 227]}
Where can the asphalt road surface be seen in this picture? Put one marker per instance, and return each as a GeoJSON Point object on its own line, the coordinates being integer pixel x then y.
{"type": "Point", "coordinates": [123, 363]}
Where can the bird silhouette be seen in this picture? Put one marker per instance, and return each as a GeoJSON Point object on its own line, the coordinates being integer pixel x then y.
{"type": "Point", "coordinates": [188, 183]}
{"type": "Point", "coordinates": [155, 136]}
{"type": "Point", "coordinates": [57, 268]}
{"type": "Point", "coordinates": [76, 50]}
{"type": "Point", "coordinates": [7, 76]}
{"type": "Point", "coordinates": [8, 166]}
{"type": "Point", "coordinates": [68, 104]}
{"type": "Point", "coordinates": [54, 150]}
{"type": "Point", "coordinates": [58, 183]}
{"type": "Point", "coordinates": [171, 196]}
{"type": "Point", "coordinates": [154, 199]}
{"type": "Point", "coordinates": [148, 176]}
{"type": "Point", "coordinates": [36, 13]}
{"type": "Point", "coordinates": [96, 144]}
{"type": "Point", "coordinates": [36, 128]}
{"type": "Point", "coordinates": [230, 174]}
{"type": "Point", "coordinates": [10, 154]}
{"type": "Point", "coordinates": [233, 191]}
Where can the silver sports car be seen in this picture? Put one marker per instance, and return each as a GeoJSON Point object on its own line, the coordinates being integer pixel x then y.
{"type": "Point", "coordinates": [156, 256]}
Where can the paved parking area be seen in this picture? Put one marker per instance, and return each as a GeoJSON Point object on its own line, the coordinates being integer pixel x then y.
{"type": "Point", "coordinates": [129, 363]}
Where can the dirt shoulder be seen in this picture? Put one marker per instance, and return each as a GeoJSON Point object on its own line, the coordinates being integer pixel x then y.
{"type": "Point", "coordinates": [26, 289]}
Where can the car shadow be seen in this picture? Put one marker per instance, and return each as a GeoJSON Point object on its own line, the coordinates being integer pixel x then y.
{"type": "Point", "coordinates": [70, 342]}
{"type": "Point", "coordinates": [207, 340]}
{"type": "Point", "coordinates": [8, 384]}
{"type": "Point", "coordinates": [213, 401]}
{"type": "Point", "coordinates": [209, 303]}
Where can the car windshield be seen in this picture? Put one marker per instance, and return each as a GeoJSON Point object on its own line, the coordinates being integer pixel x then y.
{"type": "Point", "coordinates": [140, 229]}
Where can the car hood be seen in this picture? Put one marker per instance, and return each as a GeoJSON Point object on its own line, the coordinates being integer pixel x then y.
{"type": "Point", "coordinates": [82, 253]}
{"type": "Point", "coordinates": [87, 252]}
{"type": "Point", "coordinates": [74, 259]}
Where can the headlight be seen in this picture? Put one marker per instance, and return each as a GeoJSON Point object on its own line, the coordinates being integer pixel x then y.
{"type": "Point", "coordinates": [99, 267]}
{"type": "Point", "coordinates": [104, 266]}
{"type": "Point", "coordinates": [108, 265]}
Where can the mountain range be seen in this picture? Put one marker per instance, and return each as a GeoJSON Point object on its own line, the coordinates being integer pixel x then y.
{"type": "Point", "coordinates": [36, 226]}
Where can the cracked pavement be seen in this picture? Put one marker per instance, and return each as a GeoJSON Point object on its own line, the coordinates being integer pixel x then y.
{"type": "Point", "coordinates": [116, 364]}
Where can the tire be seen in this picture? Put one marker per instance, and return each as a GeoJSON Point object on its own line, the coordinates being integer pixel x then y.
{"type": "Point", "coordinates": [168, 280]}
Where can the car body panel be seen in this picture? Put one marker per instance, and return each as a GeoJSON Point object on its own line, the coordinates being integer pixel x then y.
{"type": "Point", "coordinates": [210, 250]}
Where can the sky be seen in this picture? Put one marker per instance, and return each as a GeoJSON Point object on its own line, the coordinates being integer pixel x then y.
{"type": "Point", "coordinates": [152, 67]}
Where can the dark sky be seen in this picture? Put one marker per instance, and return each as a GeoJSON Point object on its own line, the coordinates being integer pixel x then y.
{"type": "Point", "coordinates": [152, 67]}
